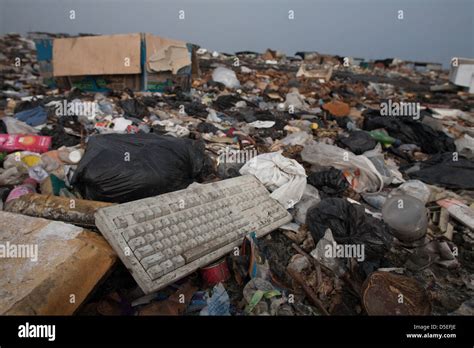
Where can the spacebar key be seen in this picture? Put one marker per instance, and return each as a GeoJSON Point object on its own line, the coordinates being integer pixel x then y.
{"type": "Point", "coordinates": [204, 249]}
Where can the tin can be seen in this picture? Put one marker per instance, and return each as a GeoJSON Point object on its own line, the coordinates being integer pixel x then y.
{"type": "Point", "coordinates": [215, 273]}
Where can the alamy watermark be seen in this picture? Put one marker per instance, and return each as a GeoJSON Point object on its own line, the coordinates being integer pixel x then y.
{"type": "Point", "coordinates": [236, 156]}
{"type": "Point", "coordinates": [402, 109]}
{"type": "Point", "coordinates": [77, 108]}
{"type": "Point", "coordinates": [334, 250]}
{"type": "Point", "coordinates": [28, 330]}
{"type": "Point", "coordinates": [27, 251]}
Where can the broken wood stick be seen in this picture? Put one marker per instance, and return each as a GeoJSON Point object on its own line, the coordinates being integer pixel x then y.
{"type": "Point", "coordinates": [310, 293]}
{"type": "Point", "coordinates": [327, 270]}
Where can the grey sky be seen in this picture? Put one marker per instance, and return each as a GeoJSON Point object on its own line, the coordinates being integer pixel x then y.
{"type": "Point", "coordinates": [432, 30]}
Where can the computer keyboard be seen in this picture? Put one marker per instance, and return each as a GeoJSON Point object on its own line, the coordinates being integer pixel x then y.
{"type": "Point", "coordinates": [164, 238]}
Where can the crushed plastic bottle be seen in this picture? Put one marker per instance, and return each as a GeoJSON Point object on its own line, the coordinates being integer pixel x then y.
{"type": "Point", "coordinates": [407, 216]}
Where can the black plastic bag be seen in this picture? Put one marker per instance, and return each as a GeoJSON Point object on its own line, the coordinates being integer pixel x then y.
{"type": "Point", "coordinates": [358, 142]}
{"type": "Point", "coordinates": [331, 182]}
{"type": "Point", "coordinates": [443, 171]}
{"type": "Point", "coordinates": [410, 131]}
{"type": "Point", "coordinates": [350, 224]}
{"type": "Point", "coordinates": [3, 127]}
{"type": "Point", "coordinates": [205, 127]}
{"type": "Point", "coordinates": [60, 137]}
{"type": "Point", "coordinates": [134, 108]}
{"type": "Point", "coordinates": [126, 167]}
{"type": "Point", "coordinates": [225, 102]}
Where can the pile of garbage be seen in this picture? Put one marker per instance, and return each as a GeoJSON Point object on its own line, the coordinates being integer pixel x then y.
{"type": "Point", "coordinates": [374, 161]}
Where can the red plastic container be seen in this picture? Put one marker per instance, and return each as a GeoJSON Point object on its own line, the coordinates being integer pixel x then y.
{"type": "Point", "coordinates": [215, 273]}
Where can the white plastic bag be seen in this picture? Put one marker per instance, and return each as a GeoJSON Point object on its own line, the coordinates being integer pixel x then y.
{"type": "Point", "coordinates": [298, 138]}
{"type": "Point", "coordinates": [285, 177]}
{"type": "Point", "coordinates": [310, 197]}
{"type": "Point", "coordinates": [323, 155]}
{"type": "Point", "coordinates": [15, 126]}
{"type": "Point", "coordinates": [465, 146]}
{"type": "Point", "coordinates": [226, 77]}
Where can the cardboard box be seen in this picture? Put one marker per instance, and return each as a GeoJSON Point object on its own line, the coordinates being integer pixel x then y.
{"type": "Point", "coordinates": [463, 73]}
{"type": "Point", "coordinates": [97, 55]}
{"type": "Point", "coordinates": [167, 63]}
{"type": "Point", "coordinates": [141, 62]}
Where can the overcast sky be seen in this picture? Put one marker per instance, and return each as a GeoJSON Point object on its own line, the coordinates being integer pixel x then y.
{"type": "Point", "coordinates": [431, 30]}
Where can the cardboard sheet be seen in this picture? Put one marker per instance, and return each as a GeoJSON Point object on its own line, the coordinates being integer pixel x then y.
{"type": "Point", "coordinates": [165, 54]}
{"type": "Point", "coordinates": [44, 262]}
{"type": "Point", "coordinates": [96, 55]}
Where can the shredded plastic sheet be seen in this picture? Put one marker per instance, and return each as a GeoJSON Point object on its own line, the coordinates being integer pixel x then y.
{"type": "Point", "coordinates": [218, 303]}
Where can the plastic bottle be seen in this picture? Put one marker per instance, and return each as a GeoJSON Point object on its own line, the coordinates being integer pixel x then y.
{"type": "Point", "coordinates": [407, 216]}
{"type": "Point", "coordinates": [70, 155]}
{"type": "Point", "coordinates": [384, 138]}
{"type": "Point", "coordinates": [28, 186]}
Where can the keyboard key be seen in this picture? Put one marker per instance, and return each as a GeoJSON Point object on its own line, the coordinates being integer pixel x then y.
{"type": "Point", "coordinates": [167, 232]}
{"type": "Point", "coordinates": [167, 243]}
{"type": "Point", "coordinates": [177, 250]}
{"type": "Point", "coordinates": [168, 253]}
{"type": "Point", "coordinates": [149, 238]}
{"type": "Point", "coordinates": [158, 246]}
{"type": "Point", "coordinates": [151, 260]}
{"type": "Point", "coordinates": [178, 261]}
{"type": "Point", "coordinates": [128, 234]}
{"type": "Point", "coordinates": [203, 249]}
{"type": "Point", "coordinates": [155, 272]}
{"type": "Point", "coordinates": [199, 240]}
{"type": "Point", "coordinates": [146, 250]}
{"type": "Point", "coordinates": [139, 216]}
{"type": "Point", "coordinates": [148, 227]}
{"type": "Point", "coordinates": [148, 214]}
{"type": "Point", "coordinates": [159, 235]}
{"type": "Point", "coordinates": [167, 266]}
{"type": "Point", "coordinates": [120, 222]}
{"type": "Point", "coordinates": [136, 242]}
{"type": "Point", "coordinates": [156, 211]}
{"type": "Point", "coordinates": [139, 230]}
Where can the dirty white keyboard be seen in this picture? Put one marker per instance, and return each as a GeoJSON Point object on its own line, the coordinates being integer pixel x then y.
{"type": "Point", "coordinates": [164, 238]}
